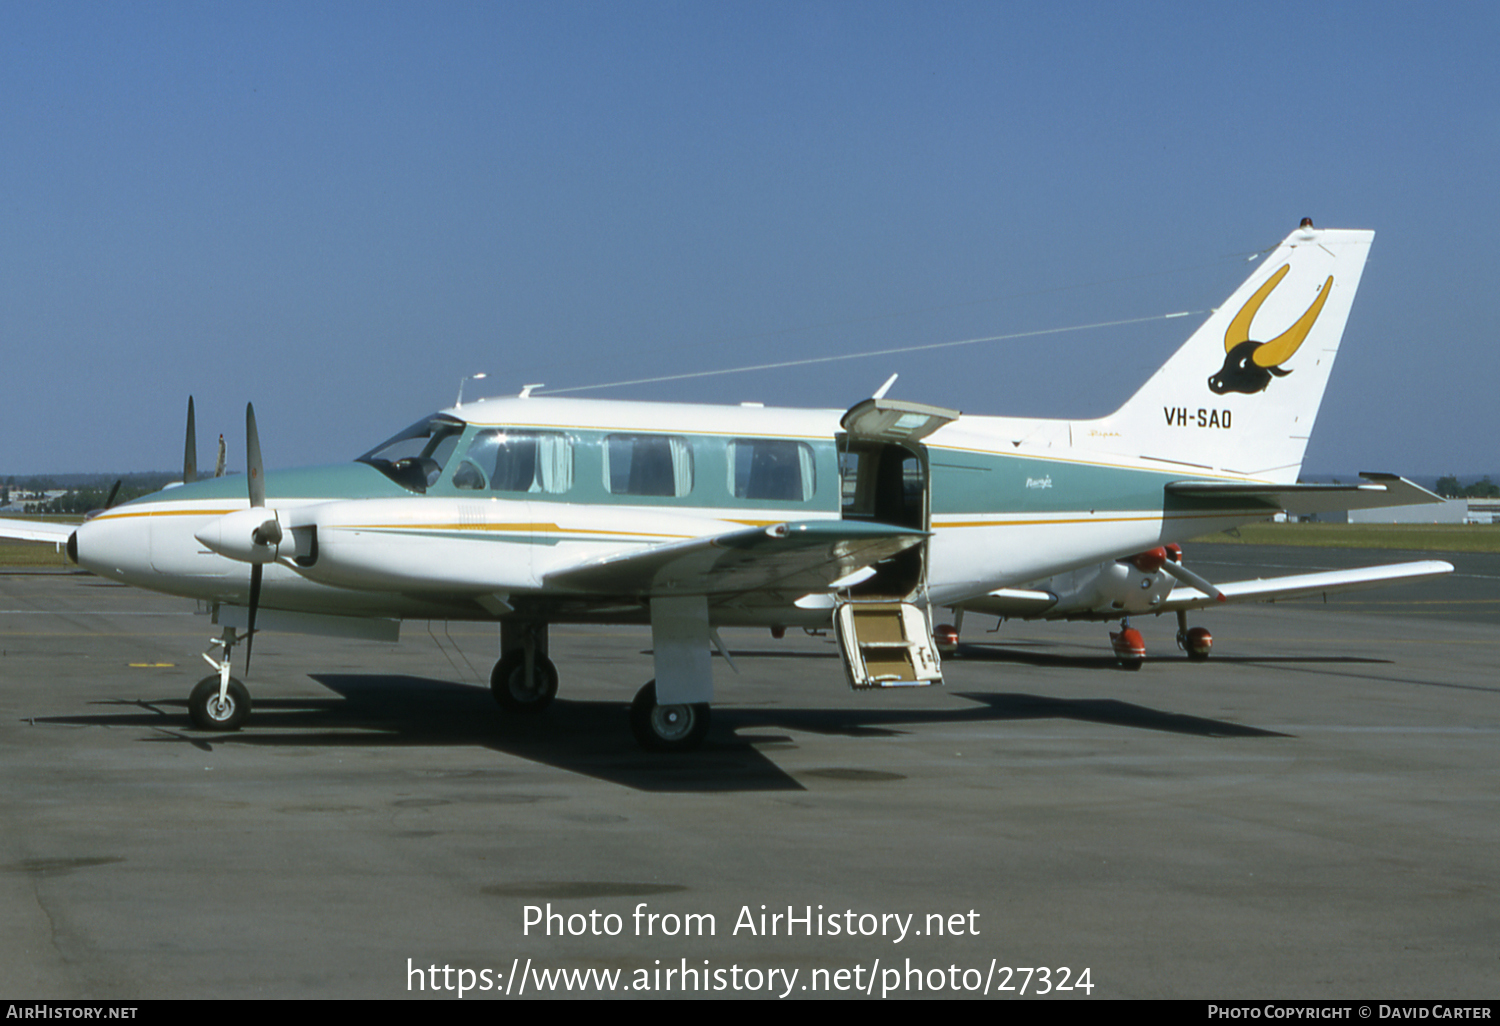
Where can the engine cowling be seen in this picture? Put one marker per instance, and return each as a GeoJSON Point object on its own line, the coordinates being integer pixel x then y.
{"type": "Point", "coordinates": [252, 535]}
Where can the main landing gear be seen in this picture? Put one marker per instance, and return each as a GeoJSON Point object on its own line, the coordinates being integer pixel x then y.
{"type": "Point", "coordinates": [1195, 641]}
{"type": "Point", "coordinates": [519, 690]}
{"type": "Point", "coordinates": [1129, 646]}
{"type": "Point", "coordinates": [524, 680]}
{"type": "Point", "coordinates": [667, 728]}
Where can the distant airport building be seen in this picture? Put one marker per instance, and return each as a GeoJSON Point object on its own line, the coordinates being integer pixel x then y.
{"type": "Point", "coordinates": [1484, 511]}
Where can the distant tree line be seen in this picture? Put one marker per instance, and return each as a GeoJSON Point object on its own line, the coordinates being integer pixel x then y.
{"type": "Point", "coordinates": [81, 496]}
{"type": "Point", "coordinates": [1451, 488]}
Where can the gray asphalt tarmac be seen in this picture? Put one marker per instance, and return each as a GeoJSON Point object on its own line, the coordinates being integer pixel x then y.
{"type": "Point", "coordinates": [1314, 813]}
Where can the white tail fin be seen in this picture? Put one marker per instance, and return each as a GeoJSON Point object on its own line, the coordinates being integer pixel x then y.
{"type": "Point", "coordinates": [1242, 393]}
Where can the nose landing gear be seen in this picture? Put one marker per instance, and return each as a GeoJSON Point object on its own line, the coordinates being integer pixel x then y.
{"type": "Point", "coordinates": [220, 702]}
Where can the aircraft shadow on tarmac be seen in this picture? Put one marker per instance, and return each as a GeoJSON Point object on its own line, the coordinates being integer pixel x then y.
{"type": "Point", "coordinates": [997, 654]}
{"type": "Point", "coordinates": [592, 737]}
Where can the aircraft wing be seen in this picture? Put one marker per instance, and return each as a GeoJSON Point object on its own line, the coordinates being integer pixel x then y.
{"type": "Point", "coordinates": [1303, 585]}
{"type": "Point", "coordinates": [1377, 491]}
{"type": "Point", "coordinates": [36, 530]}
{"type": "Point", "coordinates": [1036, 604]}
{"type": "Point", "coordinates": [803, 557]}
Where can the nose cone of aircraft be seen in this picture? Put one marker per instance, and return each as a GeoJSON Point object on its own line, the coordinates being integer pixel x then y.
{"type": "Point", "coordinates": [117, 546]}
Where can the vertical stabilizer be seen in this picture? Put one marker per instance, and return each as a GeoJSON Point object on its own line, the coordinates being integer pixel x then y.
{"type": "Point", "coordinates": [1242, 393]}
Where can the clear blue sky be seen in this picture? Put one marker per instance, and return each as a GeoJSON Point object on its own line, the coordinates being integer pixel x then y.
{"type": "Point", "coordinates": [338, 210]}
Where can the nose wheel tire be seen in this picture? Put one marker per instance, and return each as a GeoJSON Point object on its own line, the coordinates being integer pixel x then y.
{"type": "Point", "coordinates": [208, 712]}
{"type": "Point", "coordinates": [514, 692]}
{"type": "Point", "coordinates": [667, 728]}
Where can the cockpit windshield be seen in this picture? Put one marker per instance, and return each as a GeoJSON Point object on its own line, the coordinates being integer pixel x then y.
{"type": "Point", "coordinates": [415, 458]}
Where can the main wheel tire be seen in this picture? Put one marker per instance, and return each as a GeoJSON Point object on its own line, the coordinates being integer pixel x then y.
{"type": "Point", "coordinates": [1198, 644]}
{"type": "Point", "coordinates": [1130, 648]}
{"type": "Point", "coordinates": [667, 728]}
{"type": "Point", "coordinates": [514, 692]}
{"type": "Point", "coordinates": [208, 713]}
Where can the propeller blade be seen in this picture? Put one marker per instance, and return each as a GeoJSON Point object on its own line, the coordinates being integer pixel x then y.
{"type": "Point", "coordinates": [1186, 576]}
{"type": "Point", "coordinates": [254, 469]}
{"type": "Point", "coordinates": [190, 449]}
{"type": "Point", "coordinates": [255, 571]}
{"type": "Point", "coordinates": [113, 491]}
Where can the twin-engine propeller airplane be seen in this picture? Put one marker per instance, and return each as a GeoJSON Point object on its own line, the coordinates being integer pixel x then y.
{"type": "Point", "coordinates": [531, 511]}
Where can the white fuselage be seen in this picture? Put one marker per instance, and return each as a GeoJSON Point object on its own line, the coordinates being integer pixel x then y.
{"type": "Point", "coordinates": [519, 489]}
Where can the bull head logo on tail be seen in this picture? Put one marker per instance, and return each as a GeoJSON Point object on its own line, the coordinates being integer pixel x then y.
{"type": "Point", "coordinates": [1249, 365]}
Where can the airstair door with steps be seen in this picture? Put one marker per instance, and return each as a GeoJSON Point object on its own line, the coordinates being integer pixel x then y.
{"type": "Point", "coordinates": [883, 627]}
{"type": "Point", "coordinates": [886, 644]}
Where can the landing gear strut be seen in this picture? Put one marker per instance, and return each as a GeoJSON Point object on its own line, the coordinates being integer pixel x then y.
{"type": "Point", "coordinates": [667, 728]}
{"type": "Point", "coordinates": [220, 702]}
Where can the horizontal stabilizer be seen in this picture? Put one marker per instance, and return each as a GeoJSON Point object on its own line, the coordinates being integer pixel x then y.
{"type": "Point", "coordinates": [1377, 491]}
{"type": "Point", "coordinates": [801, 557]}
{"type": "Point", "coordinates": [1304, 585]}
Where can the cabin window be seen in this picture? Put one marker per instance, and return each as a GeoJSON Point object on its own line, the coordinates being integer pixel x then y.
{"type": "Point", "coordinates": [656, 465]}
{"type": "Point", "coordinates": [532, 462]}
{"type": "Point", "coordinates": [764, 468]}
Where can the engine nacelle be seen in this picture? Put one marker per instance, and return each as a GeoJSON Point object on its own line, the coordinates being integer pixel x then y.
{"type": "Point", "coordinates": [1109, 590]}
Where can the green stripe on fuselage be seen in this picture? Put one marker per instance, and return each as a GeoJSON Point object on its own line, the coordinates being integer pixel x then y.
{"type": "Point", "coordinates": [975, 482]}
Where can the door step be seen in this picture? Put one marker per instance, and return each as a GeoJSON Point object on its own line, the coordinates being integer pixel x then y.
{"type": "Point", "coordinates": [886, 645]}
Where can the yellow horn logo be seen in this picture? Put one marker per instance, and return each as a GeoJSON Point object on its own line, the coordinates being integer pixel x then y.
{"type": "Point", "coordinates": [1249, 365]}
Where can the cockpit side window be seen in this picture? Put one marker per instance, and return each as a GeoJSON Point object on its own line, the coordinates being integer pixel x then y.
{"type": "Point", "coordinates": [523, 461]}
{"type": "Point", "coordinates": [415, 458]}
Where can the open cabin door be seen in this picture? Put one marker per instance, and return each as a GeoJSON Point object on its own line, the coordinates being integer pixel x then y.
{"type": "Point", "coordinates": [884, 631]}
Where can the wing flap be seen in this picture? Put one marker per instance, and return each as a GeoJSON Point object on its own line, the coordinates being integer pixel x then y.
{"type": "Point", "coordinates": [802, 557]}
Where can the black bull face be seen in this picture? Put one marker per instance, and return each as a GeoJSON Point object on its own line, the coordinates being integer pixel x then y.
{"type": "Point", "coordinates": [1240, 372]}
{"type": "Point", "coordinates": [1249, 366]}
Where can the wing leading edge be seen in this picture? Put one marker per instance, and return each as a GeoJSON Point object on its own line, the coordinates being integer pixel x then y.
{"type": "Point", "coordinates": [1303, 585]}
{"type": "Point", "coordinates": [36, 530]}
